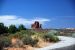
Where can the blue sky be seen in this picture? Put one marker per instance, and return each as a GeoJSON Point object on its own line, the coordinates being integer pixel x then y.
{"type": "Point", "coordinates": [50, 13]}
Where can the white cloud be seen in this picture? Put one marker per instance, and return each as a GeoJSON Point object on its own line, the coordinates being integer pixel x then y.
{"type": "Point", "coordinates": [11, 19]}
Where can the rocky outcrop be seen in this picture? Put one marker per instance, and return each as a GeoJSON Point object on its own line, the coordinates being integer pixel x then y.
{"type": "Point", "coordinates": [36, 25]}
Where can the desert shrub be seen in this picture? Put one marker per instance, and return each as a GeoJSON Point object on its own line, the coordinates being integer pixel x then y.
{"type": "Point", "coordinates": [54, 39]}
{"type": "Point", "coordinates": [1, 45]}
{"type": "Point", "coordinates": [50, 37]}
{"type": "Point", "coordinates": [73, 35]}
{"type": "Point", "coordinates": [22, 33]}
{"type": "Point", "coordinates": [54, 32]}
{"type": "Point", "coordinates": [5, 41]}
{"type": "Point", "coordinates": [25, 36]}
{"type": "Point", "coordinates": [29, 41]}
{"type": "Point", "coordinates": [68, 34]}
{"type": "Point", "coordinates": [18, 41]}
{"type": "Point", "coordinates": [26, 32]}
{"type": "Point", "coordinates": [13, 35]}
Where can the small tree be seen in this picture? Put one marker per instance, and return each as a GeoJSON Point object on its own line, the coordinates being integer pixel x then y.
{"type": "Point", "coordinates": [1, 28]}
{"type": "Point", "coordinates": [21, 27]}
{"type": "Point", "coordinates": [12, 29]}
{"type": "Point", "coordinates": [5, 29]}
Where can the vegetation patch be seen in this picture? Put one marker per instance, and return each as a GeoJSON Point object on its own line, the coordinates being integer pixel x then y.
{"type": "Point", "coordinates": [19, 37]}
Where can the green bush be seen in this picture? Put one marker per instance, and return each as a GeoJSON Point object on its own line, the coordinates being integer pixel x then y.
{"type": "Point", "coordinates": [50, 37]}
{"type": "Point", "coordinates": [54, 32]}
{"type": "Point", "coordinates": [73, 35]}
{"type": "Point", "coordinates": [22, 33]}
{"type": "Point", "coordinates": [54, 39]}
{"type": "Point", "coordinates": [26, 32]}
{"type": "Point", "coordinates": [1, 45]}
{"type": "Point", "coordinates": [5, 41]}
{"type": "Point", "coordinates": [29, 41]}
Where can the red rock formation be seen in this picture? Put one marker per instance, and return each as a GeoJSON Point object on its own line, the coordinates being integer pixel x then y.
{"type": "Point", "coordinates": [36, 25]}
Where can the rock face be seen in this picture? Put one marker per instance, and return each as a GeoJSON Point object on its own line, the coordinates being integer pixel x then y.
{"type": "Point", "coordinates": [36, 25]}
